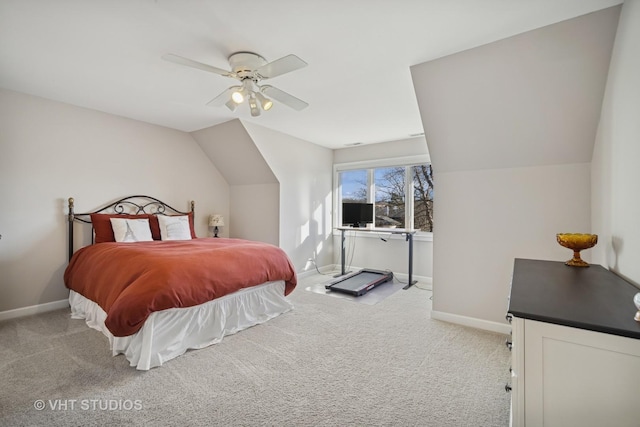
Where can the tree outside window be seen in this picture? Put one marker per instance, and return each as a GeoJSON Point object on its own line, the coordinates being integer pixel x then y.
{"type": "Point", "coordinates": [390, 205]}
{"type": "Point", "coordinates": [422, 197]}
{"type": "Point", "coordinates": [353, 184]}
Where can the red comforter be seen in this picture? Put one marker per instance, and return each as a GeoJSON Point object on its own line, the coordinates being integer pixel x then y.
{"type": "Point", "coordinates": [129, 281]}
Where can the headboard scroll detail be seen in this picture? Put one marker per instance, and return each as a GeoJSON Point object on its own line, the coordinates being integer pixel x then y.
{"type": "Point", "coordinates": [130, 205]}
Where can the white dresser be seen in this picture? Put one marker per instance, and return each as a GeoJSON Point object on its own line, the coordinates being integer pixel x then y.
{"type": "Point", "coordinates": [575, 347]}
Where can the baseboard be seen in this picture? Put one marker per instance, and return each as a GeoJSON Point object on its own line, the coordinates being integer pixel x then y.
{"type": "Point", "coordinates": [327, 269]}
{"type": "Point", "coordinates": [33, 309]}
{"type": "Point", "coordinates": [472, 322]}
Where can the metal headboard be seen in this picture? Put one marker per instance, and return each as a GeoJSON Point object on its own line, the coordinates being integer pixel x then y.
{"type": "Point", "coordinates": [130, 205]}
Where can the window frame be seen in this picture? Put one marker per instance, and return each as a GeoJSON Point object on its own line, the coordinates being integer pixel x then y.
{"type": "Point", "coordinates": [370, 165]}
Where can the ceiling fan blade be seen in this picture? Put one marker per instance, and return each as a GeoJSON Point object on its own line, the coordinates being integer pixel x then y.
{"type": "Point", "coordinates": [223, 98]}
{"type": "Point", "coordinates": [284, 97]}
{"type": "Point", "coordinates": [195, 64]}
{"type": "Point", "coordinates": [280, 66]}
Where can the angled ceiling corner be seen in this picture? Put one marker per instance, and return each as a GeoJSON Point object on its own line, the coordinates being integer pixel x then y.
{"type": "Point", "coordinates": [533, 99]}
{"type": "Point", "coordinates": [234, 153]}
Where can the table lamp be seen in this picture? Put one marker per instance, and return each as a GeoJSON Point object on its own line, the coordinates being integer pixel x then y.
{"type": "Point", "coordinates": [216, 221]}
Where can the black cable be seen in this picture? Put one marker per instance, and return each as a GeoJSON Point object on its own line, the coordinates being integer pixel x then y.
{"type": "Point", "coordinates": [382, 238]}
{"type": "Point", "coordinates": [415, 285]}
{"type": "Point", "coordinates": [347, 267]}
{"type": "Point", "coordinates": [317, 269]}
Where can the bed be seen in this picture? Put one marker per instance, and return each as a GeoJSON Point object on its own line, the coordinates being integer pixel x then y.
{"type": "Point", "coordinates": [155, 290]}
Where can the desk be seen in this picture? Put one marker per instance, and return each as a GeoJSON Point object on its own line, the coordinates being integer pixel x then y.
{"type": "Point", "coordinates": [408, 237]}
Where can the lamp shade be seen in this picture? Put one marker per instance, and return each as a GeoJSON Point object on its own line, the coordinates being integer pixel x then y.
{"type": "Point", "coordinates": [265, 102]}
{"type": "Point", "coordinates": [231, 105]}
{"type": "Point", "coordinates": [237, 97]}
{"type": "Point", "coordinates": [216, 220]}
{"type": "Point", "coordinates": [253, 105]}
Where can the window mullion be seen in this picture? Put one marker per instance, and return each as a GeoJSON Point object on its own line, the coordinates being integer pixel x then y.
{"type": "Point", "coordinates": [371, 197]}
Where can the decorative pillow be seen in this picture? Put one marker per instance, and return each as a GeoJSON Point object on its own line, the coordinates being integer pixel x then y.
{"type": "Point", "coordinates": [174, 227]}
{"type": "Point", "coordinates": [131, 230]}
{"type": "Point", "coordinates": [103, 229]}
{"type": "Point", "coordinates": [155, 226]}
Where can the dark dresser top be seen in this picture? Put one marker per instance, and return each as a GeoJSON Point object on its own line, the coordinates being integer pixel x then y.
{"type": "Point", "coordinates": [590, 298]}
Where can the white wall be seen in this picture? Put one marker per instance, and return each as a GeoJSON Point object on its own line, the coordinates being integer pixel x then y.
{"type": "Point", "coordinates": [254, 212]}
{"type": "Point", "coordinates": [481, 232]}
{"type": "Point", "coordinates": [510, 127]}
{"type": "Point", "coordinates": [50, 151]}
{"type": "Point", "coordinates": [251, 182]}
{"type": "Point", "coordinates": [616, 175]}
{"type": "Point", "coordinates": [304, 172]}
{"type": "Point", "coordinates": [368, 250]}
{"type": "Point", "coordinates": [401, 148]}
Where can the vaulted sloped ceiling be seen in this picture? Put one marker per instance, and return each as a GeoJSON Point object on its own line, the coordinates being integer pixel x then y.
{"type": "Point", "coordinates": [235, 155]}
{"type": "Point", "coordinates": [528, 100]}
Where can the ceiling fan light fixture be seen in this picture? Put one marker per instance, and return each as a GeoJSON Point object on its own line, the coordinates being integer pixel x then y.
{"type": "Point", "coordinates": [237, 96]}
{"type": "Point", "coordinates": [253, 105]}
{"type": "Point", "coordinates": [231, 105]}
{"type": "Point", "coordinates": [265, 102]}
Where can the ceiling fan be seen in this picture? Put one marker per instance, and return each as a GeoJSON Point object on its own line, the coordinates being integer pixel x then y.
{"type": "Point", "coordinates": [250, 69]}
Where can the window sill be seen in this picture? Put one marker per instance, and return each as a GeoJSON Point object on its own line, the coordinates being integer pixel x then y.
{"type": "Point", "coordinates": [420, 236]}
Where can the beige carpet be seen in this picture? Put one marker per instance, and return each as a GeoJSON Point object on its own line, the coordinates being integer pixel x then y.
{"type": "Point", "coordinates": [329, 362]}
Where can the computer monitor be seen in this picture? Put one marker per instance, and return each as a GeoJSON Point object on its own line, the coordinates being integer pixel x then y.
{"type": "Point", "coordinates": [357, 214]}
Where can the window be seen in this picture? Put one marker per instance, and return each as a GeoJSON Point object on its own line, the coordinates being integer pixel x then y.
{"type": "Point", "coordinates": [402, 194]}
{"type": "Point", "coordinates": [422, 197]}
{"type": "Point", "coordinates": [390, 205]}
{"type": "Point", "coordinates": [354, 186]}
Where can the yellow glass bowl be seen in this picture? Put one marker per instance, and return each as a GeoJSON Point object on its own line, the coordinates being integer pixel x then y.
{"type": "Point", "coordinates": [577, 242]}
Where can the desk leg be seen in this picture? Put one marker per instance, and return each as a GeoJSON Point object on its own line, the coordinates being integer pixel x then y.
{"type": "Point", "coordinates": [412, 282]}
{"type": "Point", "coordinates": [342, 254]}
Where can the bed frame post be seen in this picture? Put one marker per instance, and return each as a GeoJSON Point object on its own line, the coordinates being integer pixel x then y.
{"type": "Point", "coordinates": [70, 218]}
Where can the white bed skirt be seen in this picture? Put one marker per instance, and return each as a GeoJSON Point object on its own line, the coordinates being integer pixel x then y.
{"type": "Point", "coordinates": [169, 333]}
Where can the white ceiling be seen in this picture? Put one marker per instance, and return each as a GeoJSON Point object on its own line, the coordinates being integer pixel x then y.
{"type": "Point", "coordinates": [105, 55]}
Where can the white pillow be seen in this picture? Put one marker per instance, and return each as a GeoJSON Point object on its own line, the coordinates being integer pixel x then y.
{"type": "Point", "coordinates": [131, 230]}
{"type": "Point", "coordinates": [174, 227]}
